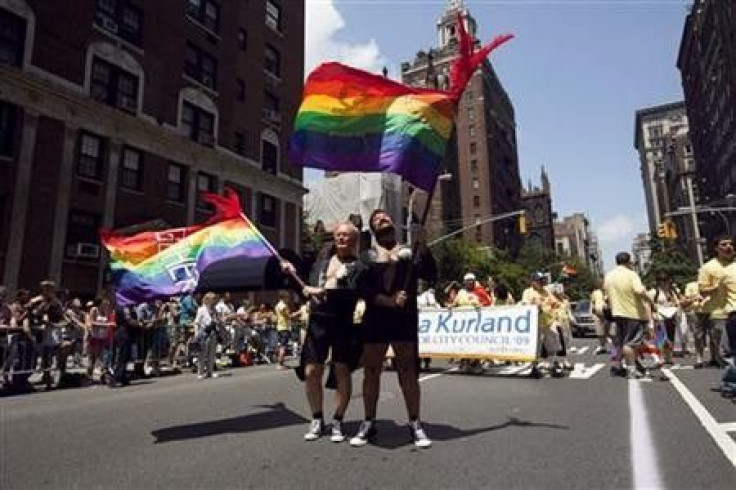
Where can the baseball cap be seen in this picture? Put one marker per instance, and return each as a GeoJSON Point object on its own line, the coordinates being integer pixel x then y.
{"type": "Point", "coordinates": [469, 277]}
{"type": "Point", "coordinates": [539, 276]}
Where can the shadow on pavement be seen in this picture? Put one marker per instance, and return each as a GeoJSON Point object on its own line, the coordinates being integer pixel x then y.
{"type": "Point", "coordinates": [275, 416]}
{"type": "Point", "coordinates": [393, 436]}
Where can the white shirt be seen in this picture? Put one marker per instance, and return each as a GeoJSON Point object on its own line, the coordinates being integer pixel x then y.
{"type": "Point", "coordinates": [427, 300]}
{"type": "Point", "coordinates": [223, 310]}
{"type": "Point", "coordinates": [203, 318]}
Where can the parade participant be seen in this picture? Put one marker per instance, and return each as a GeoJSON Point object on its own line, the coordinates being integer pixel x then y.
{"type": "Point", "coordinates": [45, 313]}
{"type": "Point", "coordinates": [549, 344]}
{"type": "Point", "coordinates": [389, 287]}
{"type": "Point", "coordinates": [483, 295]}
{"type": "Point", "coordinates": [630, 307]}
{"type": "Point", "coordinates": [692, 307]}
{"type": "Point", "coordinates": [124, 319]}
{"type": "Point", "coordinates": [599, 307]}
{"type": "Point", "coordinates": [426, 298]}
{"type": "Point", "coordinates": [99, 336]}
{"type": "Point", "coordinates": [451, 291]}
{"type": "Point", "coordinates": [665, 298]}
{"type": "Point", "coordinates": [206, 324]}
{"type": "Point", "coordinates": [717, 284]}
{"type": "Point", "coordinates": [283, 327]}
{"type": "Point", "coordinates": [466, 296]}
{"type": "Point", "coordinates": [502, 296]}
{"type": "Point", "coordinates": [331, 331]}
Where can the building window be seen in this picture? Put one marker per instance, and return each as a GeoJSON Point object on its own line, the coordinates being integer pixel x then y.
{"type": "Point", "coordinates": [206, 12]}
{"type": "Point", "coordinates": [198, 124]}
{"type": "Point", "coordinates": [131, 170]}
{"type": "Point", "coordinates": [271, 103]}
{"type": "Point", "coordinates": [240, 90]}
{"type": "Point", "coordinates": [90, 156]}
{"type": "Point", "coordinates": [476, 201]}
{"type": "Point", "coordinates": [474, 166]}
{"type": "Point", "coordinates": [120, 18]}
{"type": "Point", "coordinates": [273, 15]}
{"type": "Point", "coordinates": [469, 95]}
{"type": "Point", "coordinates": [477, 223]}
{"type": "Point", "coordinates": [476, 184]}
{"type": "Point", "coordinates": [12, 38]}
{"type": "Point", "coordinates": [272, 62]}
{"type": "Point", "coordinates": [239, 143]}
{"type": "Point", "coordinates": [175, 182]}
{"type": "Point", "coordinates": [267, 211]}
{"type": "Point", "coordinates": [242, 39]}
{"type": "Point", "coordinates": [473, 148]}
{"type": "Point", "coordinates": [270, 158]}
{"type": "Point", "coordinates": [471, 113]}
{"type": "Point", "coordinates": [113, 86]}
{"type": "Point", "coordinates": [8, 120]}
{"type": "Point", "coordinates": [471, 130]}
{"type": "Point", "coordinates": [205, 183]}
{"type": "Point", "coordinates": [82, 239]}
{"type": "Point", "coordinates": [200, 66]}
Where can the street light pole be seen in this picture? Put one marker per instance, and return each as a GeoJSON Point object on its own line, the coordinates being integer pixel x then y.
{"type": "Point", "coordinates": [487, 220]}
{"type": "Point", "coordinates": [694, 218]}
{"type": "Point", "coordinates": [410, 207]}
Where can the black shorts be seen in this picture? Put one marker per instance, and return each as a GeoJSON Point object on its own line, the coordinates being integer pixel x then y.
{"type": "Point", "coordinates": [284, 338]}
{"type": "Point", "coordinates": [384, 325]}
{"type": "Point", "coordinates": [333, 334]}
{"type": "Point", "coordinates": [629, 331]}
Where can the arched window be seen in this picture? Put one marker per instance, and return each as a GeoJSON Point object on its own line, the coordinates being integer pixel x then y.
{"type": "Point", "coordinates": [114, 77]}
{"type": "Point", "coordinates": [198, 116]}
{"type": "Point", "coordinates": [270, 151]}
{"type": "Point", "coordinates": [19, 27]}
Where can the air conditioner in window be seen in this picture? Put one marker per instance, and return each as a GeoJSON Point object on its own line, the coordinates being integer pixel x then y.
{"type": "Point", "coordinates": [206, 139]}
{"type": "Point", "coordinates": [109, 24]}
{"type": "Point", "coordinates": [88, 250]}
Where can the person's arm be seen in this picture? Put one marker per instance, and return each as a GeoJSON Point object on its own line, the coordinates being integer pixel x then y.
{"type": "Point", "coordinates": [707, 282]}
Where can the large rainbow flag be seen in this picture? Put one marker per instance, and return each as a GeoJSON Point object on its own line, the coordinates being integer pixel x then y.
{"type": "Point", "coordinates": [352, 120]}
{"type": "Point", "coordinates": [160, 264]}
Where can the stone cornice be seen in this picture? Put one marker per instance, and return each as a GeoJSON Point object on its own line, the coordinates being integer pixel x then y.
{"type": "Point", "coordinates": [36, 94]}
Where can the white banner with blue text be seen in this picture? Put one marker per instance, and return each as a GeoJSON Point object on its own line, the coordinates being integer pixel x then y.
{"type": "Point", "coordinates": [504, 333]}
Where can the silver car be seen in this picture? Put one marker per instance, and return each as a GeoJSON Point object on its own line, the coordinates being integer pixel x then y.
{"type": "Point", "coordinates": [584, 320]}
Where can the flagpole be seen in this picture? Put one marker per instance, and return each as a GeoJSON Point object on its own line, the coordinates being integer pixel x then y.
{"type": "Point", "coordinates": [275, 252]}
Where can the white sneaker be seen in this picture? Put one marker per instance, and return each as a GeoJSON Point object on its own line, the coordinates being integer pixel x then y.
{"type": "Point", "coordinates": [365, 432]}
{"type": "Point", "coordinates": [337, 434]}
{"type": "Point", "coordinates": [215, 375]}
{"type": "Point", "coordinates": [315, 430]}
{"type": "Point", "coordinates": [420, 437]}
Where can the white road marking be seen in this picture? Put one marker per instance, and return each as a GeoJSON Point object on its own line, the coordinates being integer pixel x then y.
{"type": "Point", "coordinates": [581, 372]}
{"type": "Point", "coordinates": [716, 430]}
{"type": "Point", "coordinates": [729, 427]}
{"type": "Point", "coordinates": [437, 375]}
{"type": "Point", "coordinates": [643, 458]}
{"type": "Point", "coordinates": [583, 350]}
{"type": "Point", "coordinates": [513, 370]}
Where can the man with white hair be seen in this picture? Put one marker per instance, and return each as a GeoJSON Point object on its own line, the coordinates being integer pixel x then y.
{"type": "Point", "coordinates": [466, 296]}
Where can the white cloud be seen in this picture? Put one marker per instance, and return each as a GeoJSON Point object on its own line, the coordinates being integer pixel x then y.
{"type": "Point", "coordinates": [323, 23]}
{"type": "Point", "coordinates": [616, 229]}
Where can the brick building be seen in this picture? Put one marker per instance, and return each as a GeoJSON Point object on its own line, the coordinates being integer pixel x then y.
{"type": "Point", "coordinates": [117, 113]}
{"type": "Point", "coordinates": [482, 158]}
{"type": "Point", "coordinates": [707, 62]}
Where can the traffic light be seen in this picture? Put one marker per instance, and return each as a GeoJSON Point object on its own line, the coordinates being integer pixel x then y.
{"type": "Point", "coordinates": [667, 230]}
{"type": "Point", "coordinates": [523, 228]}
{"type": "Point", "coordinates": [671, 230]}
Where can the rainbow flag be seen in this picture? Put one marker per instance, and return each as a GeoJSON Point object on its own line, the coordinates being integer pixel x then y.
{"type": "Point", "coordinates": [353, 120]}
{"type": "Point", "coordinates": [160, 264]}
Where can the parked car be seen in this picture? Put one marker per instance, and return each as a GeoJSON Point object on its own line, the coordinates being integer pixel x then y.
{"type": "Point", "coordinates": [584, 320]}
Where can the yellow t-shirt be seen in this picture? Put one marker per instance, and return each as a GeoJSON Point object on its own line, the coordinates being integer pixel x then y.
{"type": "Point", "coordinates": [546, 302]}
{"type": "Point", "coordinates": [597, 301]}
{"type": "Point", "coordinates": [282, 317]}
{"type": "Point", "coordinates": [466, 298]}
{"type": "Point", "coordinates": [626, 294]}
{"type": "Point", "coordinates": [692, 292]}
{"type": "Point", "coordinates": [722, 301]}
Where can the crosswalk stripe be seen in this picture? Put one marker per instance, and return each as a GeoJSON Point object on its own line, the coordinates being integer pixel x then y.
{"type": "Point", "coordinates": [582, 350]}
{"type": "Point", "coordinates": [581, 372]}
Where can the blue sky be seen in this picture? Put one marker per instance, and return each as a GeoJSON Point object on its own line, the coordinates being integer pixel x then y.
{"type": "Point", "coordinates": [576, 73]}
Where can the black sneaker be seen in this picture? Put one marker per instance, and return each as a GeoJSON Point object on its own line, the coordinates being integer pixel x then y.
{"type": "Point", "coordinates": [366, 432]}
{"type": "Point", "coordinates": [618, 371]}
{"type": "Point", "coordinates": [536, 373]}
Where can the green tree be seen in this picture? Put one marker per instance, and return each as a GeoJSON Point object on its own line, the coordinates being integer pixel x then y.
{"type": "Point", "coordinates": [673, 262]}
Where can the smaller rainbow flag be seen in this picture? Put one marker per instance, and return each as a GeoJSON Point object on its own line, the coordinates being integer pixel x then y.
{"type": "Point", "coordinates": [161, 264]}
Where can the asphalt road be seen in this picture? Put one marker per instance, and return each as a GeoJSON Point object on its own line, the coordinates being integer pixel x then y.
{"type": "Point", "coordinates": [503, 431]}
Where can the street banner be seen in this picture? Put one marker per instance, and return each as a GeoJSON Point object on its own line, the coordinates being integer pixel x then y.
{"type": "Point", "coordinates": [506, 333]}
